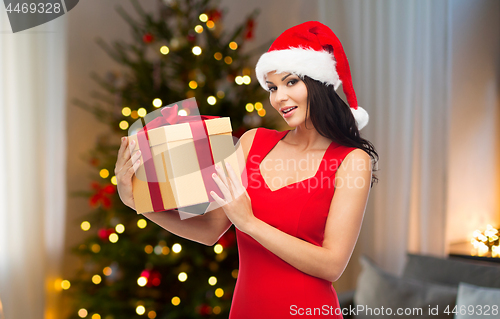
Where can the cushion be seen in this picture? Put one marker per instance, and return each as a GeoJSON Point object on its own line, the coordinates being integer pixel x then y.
{"type": "Point", "coordinates": [378, 290]}
{"type": "Point", "coordinates": [477, 302]}
{"type": "Point", "coordinates": [451, 271]}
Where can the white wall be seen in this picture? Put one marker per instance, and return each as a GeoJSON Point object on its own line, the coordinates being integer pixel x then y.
{"type": "Point", "coordinates": [474, 162]}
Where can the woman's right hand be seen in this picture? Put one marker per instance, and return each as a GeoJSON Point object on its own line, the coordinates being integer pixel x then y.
{"type": "Point", "coordinates": [125, 168]}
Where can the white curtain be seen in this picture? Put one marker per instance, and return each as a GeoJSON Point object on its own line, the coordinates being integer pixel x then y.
{"type": "Point", "coordinates": [398, 53]}
{"type": "Point", "coordinates": [32, 186]}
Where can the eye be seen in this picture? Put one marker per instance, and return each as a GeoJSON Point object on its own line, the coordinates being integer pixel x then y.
{"type": "Point", "coordinates": [293, 81]}
{"type": "Point", "coordinates": [271, 88]}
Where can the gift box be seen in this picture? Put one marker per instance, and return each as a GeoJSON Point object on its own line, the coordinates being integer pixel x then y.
{"type": "Point", "coordinates": [178, 154]}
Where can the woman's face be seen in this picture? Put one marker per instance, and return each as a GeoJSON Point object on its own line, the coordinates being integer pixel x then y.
{"type": "Point", "coordinates": [288, 92]}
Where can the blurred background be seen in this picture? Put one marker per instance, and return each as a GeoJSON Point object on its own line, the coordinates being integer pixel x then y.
{"type": "Point", "coordinates": [427, 72]}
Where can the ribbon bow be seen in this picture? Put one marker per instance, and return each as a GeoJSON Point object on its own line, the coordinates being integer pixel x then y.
{"type": "Point", "coordinates": [170, 115]}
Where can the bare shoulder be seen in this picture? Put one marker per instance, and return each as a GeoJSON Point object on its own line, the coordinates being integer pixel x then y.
{"type": "Point", "coordinates": [356, 160]}
{"type": "Point", "coordinates": [246, 141]}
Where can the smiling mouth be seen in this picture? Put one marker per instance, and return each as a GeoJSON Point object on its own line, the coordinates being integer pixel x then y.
{"type": "Point", "coordinates": [288, 110]}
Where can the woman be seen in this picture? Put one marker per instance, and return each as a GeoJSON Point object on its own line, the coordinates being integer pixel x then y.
{"type": "Point", "coordinates": [296, 226]}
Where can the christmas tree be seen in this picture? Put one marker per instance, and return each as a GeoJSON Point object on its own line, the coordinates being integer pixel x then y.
{"type": "Point", "coordinates": [131, 267]}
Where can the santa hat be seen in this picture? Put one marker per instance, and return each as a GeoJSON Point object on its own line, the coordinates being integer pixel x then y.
{"type": "Point", "coordinates": [312, 49]}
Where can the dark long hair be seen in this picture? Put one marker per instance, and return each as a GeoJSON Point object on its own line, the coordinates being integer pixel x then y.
{"type": "Point", "coordinates": [333, 119]}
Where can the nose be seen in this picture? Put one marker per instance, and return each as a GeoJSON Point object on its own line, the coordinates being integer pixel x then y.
{"type": "Point", "coordinates": [280, 95]}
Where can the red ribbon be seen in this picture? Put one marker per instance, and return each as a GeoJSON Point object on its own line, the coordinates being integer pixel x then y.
{"type": "Point", "coordinates": [202, 145]}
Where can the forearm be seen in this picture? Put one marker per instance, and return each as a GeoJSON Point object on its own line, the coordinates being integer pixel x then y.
{"type": "Point", "coordinates": [306, 257]}
{"type": "Point", "coordinates": [197, 228]}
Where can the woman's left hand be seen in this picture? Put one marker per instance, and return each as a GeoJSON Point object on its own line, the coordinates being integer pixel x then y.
{"type": "Point", "coordinates": [236, 202]}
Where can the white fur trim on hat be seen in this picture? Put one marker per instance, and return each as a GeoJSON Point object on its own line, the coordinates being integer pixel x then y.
{"type": "Point", "coordinates": [318, 65]}
{"type": "Point", "coordinates": [361, 117]}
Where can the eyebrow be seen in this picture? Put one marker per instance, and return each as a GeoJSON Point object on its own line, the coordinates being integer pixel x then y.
{"type": "Point", "coordinates": [283, 79]}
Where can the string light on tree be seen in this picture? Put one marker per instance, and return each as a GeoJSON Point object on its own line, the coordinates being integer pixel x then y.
{"type": "Point", "coordinates": [211, 100]}
{"type": "Point", "coordinates": [164, 50]}
{"type": "Point", "coordinates": [182, 277]}
{"type": "Point", "coordinates": [148, 249]}
{"type": "Point", "coordinates": [123, 125]}
{"type": "Point", "coordinates": [104, 173]}
{"type": "Point", "coordinates": [221, 94]}
{"type": "Point", "coordinates": [65, 284]}
{"type": "Point", "coordinates": [218, 56]}
{"type": "Point", "coordinates": [233, 45]}
{"type": "Point", "coordinates": [120, 228]}
{"type": "Point", "coordinates": [142, 281]}
{"type": "Point", "coordinates": [249, 107]}
{"type": "Point", "coordinates": [114, 181]}
{"type": "Point", "coordinates": [142, 112]}
{"type": "Point", "coordinates": [218, 248]}
{"type": "Point", "coordinates": [85, 225]}
{"type": "Point", "coordinates": [259, 106]}
{"type": "Point", "coordinates": [126, 111]}
{"type": "Point", "coordinates": [196, 50]}
{"type": "Point", "coordinates": [212, 281]}
{"type": "Point", "coordinates": [210, 24]}
{"type": "Point", "coordinates": [113, 238]}
{"type": "Point", "coordinates": [134, 115]}
{"type": "Point", "coordinates": [203, 17]}
{"type": "Point", "coordinates": [82, 313]}
{"type": "Point", "coordinates": [140, 310]}
{"type": "Point", "coordinates": [228, 60]}
{"type": "Point", "coordinates": [176, 301]}
{"type": "Point", "coordinates": [247, 80]}
{"type": "Point", "coordinates": [198, 29]}
{"type": "Point", "coordinates": [107, 271]}
{"type": "Point", "coordinates": [141, 223]}
{"type": "Point", "coordinates": [193, 85]}
{"type": "Point", "coordinates": [157, 102]}
{"type": "Point", "coordinates": [176, 248]}
{"type": "Point", "coordinates": [219, 292]}
{"type": "Point", "coordinates": [95, 248]}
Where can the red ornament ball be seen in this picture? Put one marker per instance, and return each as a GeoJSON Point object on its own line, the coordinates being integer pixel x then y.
{"type": "Point", "coordinates": [148, 38]}
{"type": "Point", "coordinates": [104, 233]}
{"type": "Point", "coordinates": [204, 309]}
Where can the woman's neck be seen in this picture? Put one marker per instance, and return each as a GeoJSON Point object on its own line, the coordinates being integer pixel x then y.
{"type": "Point", "coordinates": [307, 138]}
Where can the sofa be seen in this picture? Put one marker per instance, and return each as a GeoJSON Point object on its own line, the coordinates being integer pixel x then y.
{"type": "Point", "coordinates": [429, 287]}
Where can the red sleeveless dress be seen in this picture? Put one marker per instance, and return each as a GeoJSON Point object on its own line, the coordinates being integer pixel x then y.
{"type": "Point", "coordinates": [267, 286]}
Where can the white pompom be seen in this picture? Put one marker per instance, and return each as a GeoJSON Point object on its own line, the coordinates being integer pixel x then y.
{"type": "Point", "coordinates": [361, 117]}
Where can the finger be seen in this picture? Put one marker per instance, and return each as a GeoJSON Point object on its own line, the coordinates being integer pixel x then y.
{"type": "Point", "coordinates": [131, 148]}
{"type": "Point", "coordinates": [123, 145]}
{"type": "Point", "coordinates": [131, 166]}
{"type": "Point", "coordinates": [219, 200]}
{"type": "Point", "coordinates": [224, 189]}
{"type": "Point", "coordinates": [120, 160]}
{"type": "Point", "coordinates": [234, 181]}
{"type": "Point", "coordinates": [220, 172]}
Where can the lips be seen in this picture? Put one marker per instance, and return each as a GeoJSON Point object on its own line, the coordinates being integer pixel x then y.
{"type": "Point", "coordinates": [290, 112]}
{"type": "Point", "coordinates": [286, 108]}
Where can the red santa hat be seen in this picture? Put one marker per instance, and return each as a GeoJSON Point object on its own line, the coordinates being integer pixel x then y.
{"type": "Point", "coordinates": [312, 49]}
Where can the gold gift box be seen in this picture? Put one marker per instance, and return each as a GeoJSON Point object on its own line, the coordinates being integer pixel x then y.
{"type": "Point", "coordinates": [177, 165]}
